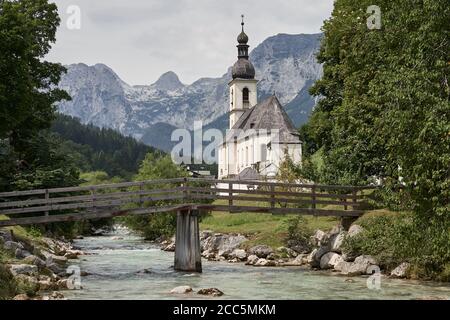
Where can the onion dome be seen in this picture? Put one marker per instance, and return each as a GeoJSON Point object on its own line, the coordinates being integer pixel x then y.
{"type": "Point", "coordinates": [243, 68]}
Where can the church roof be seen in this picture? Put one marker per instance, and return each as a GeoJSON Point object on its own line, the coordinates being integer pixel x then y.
{"type": "Point", "coordinates": [269, 115]}
{"type": "Point", "coordinates": [248, 174]}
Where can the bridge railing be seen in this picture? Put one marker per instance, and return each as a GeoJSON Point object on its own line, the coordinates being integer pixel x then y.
{"type": "Point", "coordinates": [154, 196]}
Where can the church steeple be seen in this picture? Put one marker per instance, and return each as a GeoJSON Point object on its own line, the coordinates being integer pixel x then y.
{"type": "Point", "coordinates": [243, 68]}
{"type": "Point", "coordinates": [242, 40]}
{"type": "Point", "coordinates": [243, 87]}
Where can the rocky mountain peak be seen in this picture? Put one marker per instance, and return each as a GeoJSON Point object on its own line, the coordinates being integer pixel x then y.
{"type": "Point", "coordinates": [169, 81]}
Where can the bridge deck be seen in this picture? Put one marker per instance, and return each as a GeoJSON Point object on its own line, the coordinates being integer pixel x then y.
{"type": "Point", "coordinates": [157, 196]}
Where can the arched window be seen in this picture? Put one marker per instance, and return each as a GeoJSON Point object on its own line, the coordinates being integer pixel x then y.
{"type": "Point", "coordinates": [245, 95]}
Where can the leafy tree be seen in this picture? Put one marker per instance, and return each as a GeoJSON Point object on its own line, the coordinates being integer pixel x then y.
{"type": "Point", "coordinates": [384, 115]}
{"type": "Point", "coordinates": [162, 224]}
{"type": "Point", "coordinates": [384, 112]}
{"type": "Point", "coordinates": [28, 89]}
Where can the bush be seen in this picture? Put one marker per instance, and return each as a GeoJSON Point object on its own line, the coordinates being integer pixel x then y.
{"type": "Point", "coordinates": [397, 238]}
{"type": "Point", "coordinates": [298, 232]}
{"type": "Point", "coordinates": [8, 285]}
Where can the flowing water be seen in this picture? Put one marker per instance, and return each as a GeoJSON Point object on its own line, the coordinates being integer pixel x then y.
{"type": "Point", "coordinates": [130, 268]}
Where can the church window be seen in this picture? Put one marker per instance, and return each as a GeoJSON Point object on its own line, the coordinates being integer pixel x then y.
{"type": "Point", "coordinates": [245, 95]}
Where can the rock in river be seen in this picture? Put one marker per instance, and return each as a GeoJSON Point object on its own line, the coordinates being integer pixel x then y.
{"type": "Point", "coordinates": [401, 271]}
{"type": "Point", "coordinates": [181, 290]}
{"type": "Point", "coordinates": [261, 251]}
{"type": "Point", "coordinates": [211, 292]}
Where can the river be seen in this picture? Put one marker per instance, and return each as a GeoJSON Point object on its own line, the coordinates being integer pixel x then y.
{"type": "Point", "coordinates": [116, 263]}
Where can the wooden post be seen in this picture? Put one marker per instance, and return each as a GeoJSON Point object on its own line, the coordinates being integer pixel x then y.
{"type": "Point", "coordinates": [141, 189]}
{"type": "Point", "coordinates": [272, 196]}
{"type": "Point", "coordinates": [47, 197]}
{"type": "Point", "coordinates": [230, 194]}
{"type": "Point", "coordinates": [313, 198]}
{"type": "Point", "coordinates": [355, 200]}
{"type": "Point", "coordinates": [93, 198]}
{"type": "Point", "coordinates": [346, 222]}
{"type": "Point", "coordinates": [187, 242]}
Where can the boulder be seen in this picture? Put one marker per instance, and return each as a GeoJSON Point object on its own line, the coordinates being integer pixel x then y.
{"type": "Point", "coordinates": [226, 253]}
{"type": "Point", "coordinates": [64, 284]}
{"type": "Point", "coordinates": [264, 263]}
{"type": "Point", "coordinates": [22, 296]}
{"type": "Point", "coordinates": [354, 230]}
{"type": "Point", "coordinates": [401, 271]}
{"type": "Point", "coordinates": [181, 290]}
{"type": "Point", "coordinates": [170, 247]}
{"type": "Point", "coordinates": [21, 253]}
{"type": "Point", "coordinates": [320, 252]}
{"type": "Point", "coordinates": [299, 247]}
{"type": "Point", "coordinates": [300, 260]}
{"type": "Point", "coordinates": [210, 292]}
{"type": "Point", "coordinates": [252, 259]}
{"type": "Point", "coordinates": [55, 268]}
{"type": "Point", "coordinates": [329, 260]}
{"type": "Point", "coordinates": [343, 266]}
{"type": "Point", "coordinates": [208, 254]}
{"type": "Point", "coordinates": [336, 241]}
{"type": "Point", "coordinates": [359, 266]}
{"type": "Point", "coordinates": [46, 285]}
{"type": "Point", "coordinates": [239, 254]}
{"type": "Point", "coordinates": [317, 238]}
{"type": "Point", "coordinates": [34, 260]}
{"type": "Point", "coordinates": [205, 234]}
{"type": "Point", "coordinates": [5, 235]}
{"type": "Point", "coordinates": [12, 246]}
{"type": "Point", "coordinates": [261, 251]}
{"type": "Point", "coordinates": [225, 242]}
{"type": "Point", "coordinates": [311, 259]}
{"type": "Point", "coordinates": [60, 260]}
{"type": "Point", "coordinates": [25, 269]}
{"type": "Point", "coordinates": [73, 254]}
{"type": "Point", "coordinates": [287, 252]}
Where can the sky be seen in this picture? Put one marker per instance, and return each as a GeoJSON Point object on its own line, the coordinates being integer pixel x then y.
{"type": "Point", "coordinates": [142, 39]}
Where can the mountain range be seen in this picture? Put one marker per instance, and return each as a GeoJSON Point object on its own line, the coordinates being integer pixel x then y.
{"type": "Point", "coordinates": [285, 65]}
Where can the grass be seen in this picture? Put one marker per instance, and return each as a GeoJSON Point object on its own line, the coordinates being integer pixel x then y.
{"type": "Point", "coordinates": [260, 228]}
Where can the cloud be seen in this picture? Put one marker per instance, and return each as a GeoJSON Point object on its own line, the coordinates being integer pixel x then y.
{"type": "Point", "coordinates": [141, 39]}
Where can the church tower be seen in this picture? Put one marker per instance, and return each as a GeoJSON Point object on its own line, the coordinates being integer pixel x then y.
{"type": "Point", "coordinates": [243, 94]}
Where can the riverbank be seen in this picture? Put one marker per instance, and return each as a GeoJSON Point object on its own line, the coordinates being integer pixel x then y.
{"type": "Point", "coordinates": [35, 267]}
{"type": "Point", "coordinates": [121, 265]}
{"type": "Point", "coordinates": [316, 243]}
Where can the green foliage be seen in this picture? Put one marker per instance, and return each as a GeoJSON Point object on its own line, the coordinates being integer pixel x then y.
{"type": "Point", "coordinates": [161, 224]}
{"type": "Point", "coordinates": [298, 231]}
{"type": "Point", "coordinates": [8, 285]}
{"type": "Point", "coordinates": [28, 84]}
{"type": "Point", "coordinates": [95, 149]}
{"type": "Point", "coordinates": [384, 111]}
{"type": "Point", "coordinates": [396, 238]}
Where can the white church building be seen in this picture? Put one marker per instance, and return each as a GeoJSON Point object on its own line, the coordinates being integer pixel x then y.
{"type": "Point", "coordinates": [261, 134]}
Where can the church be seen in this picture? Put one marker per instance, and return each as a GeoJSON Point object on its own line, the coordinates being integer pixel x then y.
{"type": "Point", "coordinates": [261, 134]}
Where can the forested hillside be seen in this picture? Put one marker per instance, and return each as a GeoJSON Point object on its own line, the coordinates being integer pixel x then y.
{"type": "Point", "coordinates": [96, 149]}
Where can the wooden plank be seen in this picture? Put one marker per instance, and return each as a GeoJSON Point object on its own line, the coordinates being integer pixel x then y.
{"type": "Point", "coordinates": [84, 205]}
{"type": "Point", "coordinates": [283, 193]}
{"type": "Point", "coordinates": [279, 184]}
{"type": "Point", "coordinates": [113, 195]}
{"type": "Point", "coordinates": [22, 193]}
{"type": "Point", "coordinates": [87, 215]}
{"type": "Point", "coordinates": [269, 199]}
{"type": "Point", "coordinates": [304, 211]}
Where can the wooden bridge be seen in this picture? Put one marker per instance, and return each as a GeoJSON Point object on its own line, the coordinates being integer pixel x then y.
{"type": "Point", "coordinates": [186, 196]}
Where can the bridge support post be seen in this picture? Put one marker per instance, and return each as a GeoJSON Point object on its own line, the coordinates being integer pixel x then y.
{"type": "Point", "coordinates": [346, 222]}
{"type": "Point", "coordinates": [187, 242]}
